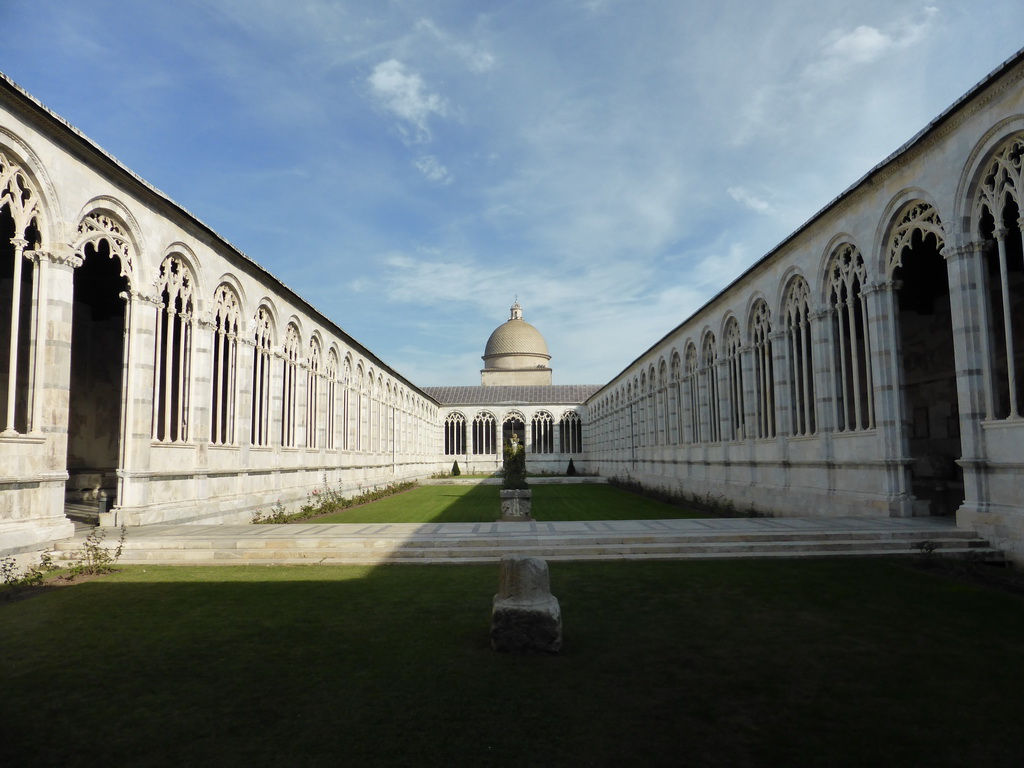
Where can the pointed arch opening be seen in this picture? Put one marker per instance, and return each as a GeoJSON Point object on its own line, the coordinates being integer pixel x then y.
{"type": "Point", "coordinates": [931, 417]}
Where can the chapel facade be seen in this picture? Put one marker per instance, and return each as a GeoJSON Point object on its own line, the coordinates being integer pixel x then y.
{"type": "Point", "coordinates": [871, 364]}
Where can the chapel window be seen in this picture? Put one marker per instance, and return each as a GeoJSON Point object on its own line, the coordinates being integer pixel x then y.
{"type": "Point", "coordinates": [485, 433]}
{"type": "Point", "coordinates": [542, 433]}
{"type": "Point", "coordinates": [455, 435]}
{"type": "Point", "coordinates": [570, 430]}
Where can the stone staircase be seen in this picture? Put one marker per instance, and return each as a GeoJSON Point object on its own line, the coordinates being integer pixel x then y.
{"type": "Point", "coordinates": [355, 544]}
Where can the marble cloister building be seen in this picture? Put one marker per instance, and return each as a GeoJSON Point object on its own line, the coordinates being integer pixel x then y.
{"type": "Point", "coordinates": [870, 364]}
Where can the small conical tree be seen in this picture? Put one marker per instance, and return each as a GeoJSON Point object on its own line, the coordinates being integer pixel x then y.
{"type": "Point", "coordinates": [571, 471]}
{"type": "Point", "coordinates": [455, 469]}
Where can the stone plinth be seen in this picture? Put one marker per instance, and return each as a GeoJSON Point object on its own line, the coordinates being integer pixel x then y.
{"type": "Point", "coordinates": [525, 615]}
{"type": "Point", "coordinates": [515, 505]}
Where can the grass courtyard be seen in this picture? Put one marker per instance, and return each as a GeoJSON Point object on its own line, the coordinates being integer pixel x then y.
{"type": "Point", "coordinates": [480, 503]}
{"type": "Point", "coordinates": [748, 663]}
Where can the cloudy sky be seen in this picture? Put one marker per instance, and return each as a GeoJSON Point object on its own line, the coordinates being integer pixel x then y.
{"type": "Point", "coordinates": [411, 167]}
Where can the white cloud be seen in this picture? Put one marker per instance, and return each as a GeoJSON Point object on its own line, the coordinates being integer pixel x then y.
{"type": "Point", "coordinates": [475, 56]}
{"type": "Point", "coordinates": [750, 200]}
{"type": "Point", "coordinates": [843, 51]}
{"type": "Point", "coordinates": [429, 166]}
{"type": "Point", "coordinates": [405, 96]}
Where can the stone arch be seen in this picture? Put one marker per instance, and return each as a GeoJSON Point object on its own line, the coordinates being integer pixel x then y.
{"type": "Point", "coordinates": [974, 170]}
{"type": "Point", "coordinates": [997, 214]}
{"type": "Point", "coordinates": [825, 262]}
{"type": "Point", "coordinates": [230, 279]}
{"type": "Point", "coordinates": [792, 274]}
{"type": "Point", "coordinates": [754, 299]}
{"type": "Point", "coordinates": [187, 257]}
{"type": "Point", "coordinates": [878, 260]}
{"type": "Point", "coordinates": [104, 218]}
{"type": "Point", "coordinates": [915, 220]}
{"type": "Point", "coordinates": [14, 150]}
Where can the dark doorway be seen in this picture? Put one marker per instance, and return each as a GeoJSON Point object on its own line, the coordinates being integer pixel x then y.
{"type": "Point", "coordinates": [931, 412]}
{"type": "Point", "coordinates": [511, 426]}
{"type": "Point", "coordinates": [94, 413]}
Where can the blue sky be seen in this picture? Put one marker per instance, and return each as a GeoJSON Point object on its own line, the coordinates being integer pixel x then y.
{"type": "Point", "coordinates": [410, 167]}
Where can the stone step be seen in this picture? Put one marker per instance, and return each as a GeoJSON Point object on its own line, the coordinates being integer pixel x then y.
{"type": "Point", "coordinates": [292, 537]}
{"type": "Point", "coordinates": [226, 545]}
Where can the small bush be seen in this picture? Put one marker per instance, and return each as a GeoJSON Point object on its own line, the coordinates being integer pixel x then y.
{"type": "Point", "coordinates": [33, 577]}
{"type": "Point", "coordinates": [455, 469]}
{"type": "Point", "coordinates": [571, 471]}
{"type": "Point", "coordinates": [95, 558]}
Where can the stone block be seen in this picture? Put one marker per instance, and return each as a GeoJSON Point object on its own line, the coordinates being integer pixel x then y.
{"type": "Point", "coordinates": [515, 505]}
{"type": "Point", "coordinates": [525, 616]}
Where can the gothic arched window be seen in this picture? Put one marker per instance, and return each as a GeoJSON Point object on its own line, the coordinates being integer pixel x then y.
{"type": "Point", "coordinates": [173, 362]}
{"type": "Point", "coordinates": [851, 359]}
{"type": "Point", "coordinates": [764, 376]}
{"type": "Point", "coordinates": [797, 317]}
{"type": "Point", "coordinates": [263, 340]}
{"type": "Point", "coordinates": [226, 314]}
{"type": "Point", "coordinates": [455, 435]}
{"type": "Point", "coordinates": [289, 385]}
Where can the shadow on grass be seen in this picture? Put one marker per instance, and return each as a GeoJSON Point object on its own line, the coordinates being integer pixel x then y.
{"type": "Point", "coordinates": [840, 663]}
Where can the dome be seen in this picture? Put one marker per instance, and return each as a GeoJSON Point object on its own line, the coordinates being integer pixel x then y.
{"type": "Point", "coordinates": [516, 337]}
{"type": "Point", "coordinates": [516, 354]}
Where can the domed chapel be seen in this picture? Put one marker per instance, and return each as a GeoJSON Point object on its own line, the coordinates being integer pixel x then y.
{"type": "Point", "coordinates": [516, 353]}
{"type": "Point", "coordinates": [515, 396]}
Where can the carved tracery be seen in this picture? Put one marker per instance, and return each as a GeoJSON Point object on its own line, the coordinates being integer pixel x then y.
{"type": "Point", "coordinates": [919, 218]}
{"type": "Point", "coordinates": [99, 226]}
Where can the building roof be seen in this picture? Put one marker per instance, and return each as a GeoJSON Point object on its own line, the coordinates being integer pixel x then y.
{"type": "Point", "coordinates": [563, 394]}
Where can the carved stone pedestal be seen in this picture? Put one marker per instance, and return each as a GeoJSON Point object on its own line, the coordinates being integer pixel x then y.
{"type": "Point", "coordinates": [515, 505]}
{"type": "Point", "coordinates": [525, 615]}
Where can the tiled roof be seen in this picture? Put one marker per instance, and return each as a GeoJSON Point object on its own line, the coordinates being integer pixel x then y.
{"type": "Point", "coordinates": [564, 394]}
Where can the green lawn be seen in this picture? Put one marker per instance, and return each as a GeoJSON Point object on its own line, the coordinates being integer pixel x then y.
{"type": "Point", "coordinates": [480, 503]}
{"type": "Point", "coordinates": [753, 663]}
